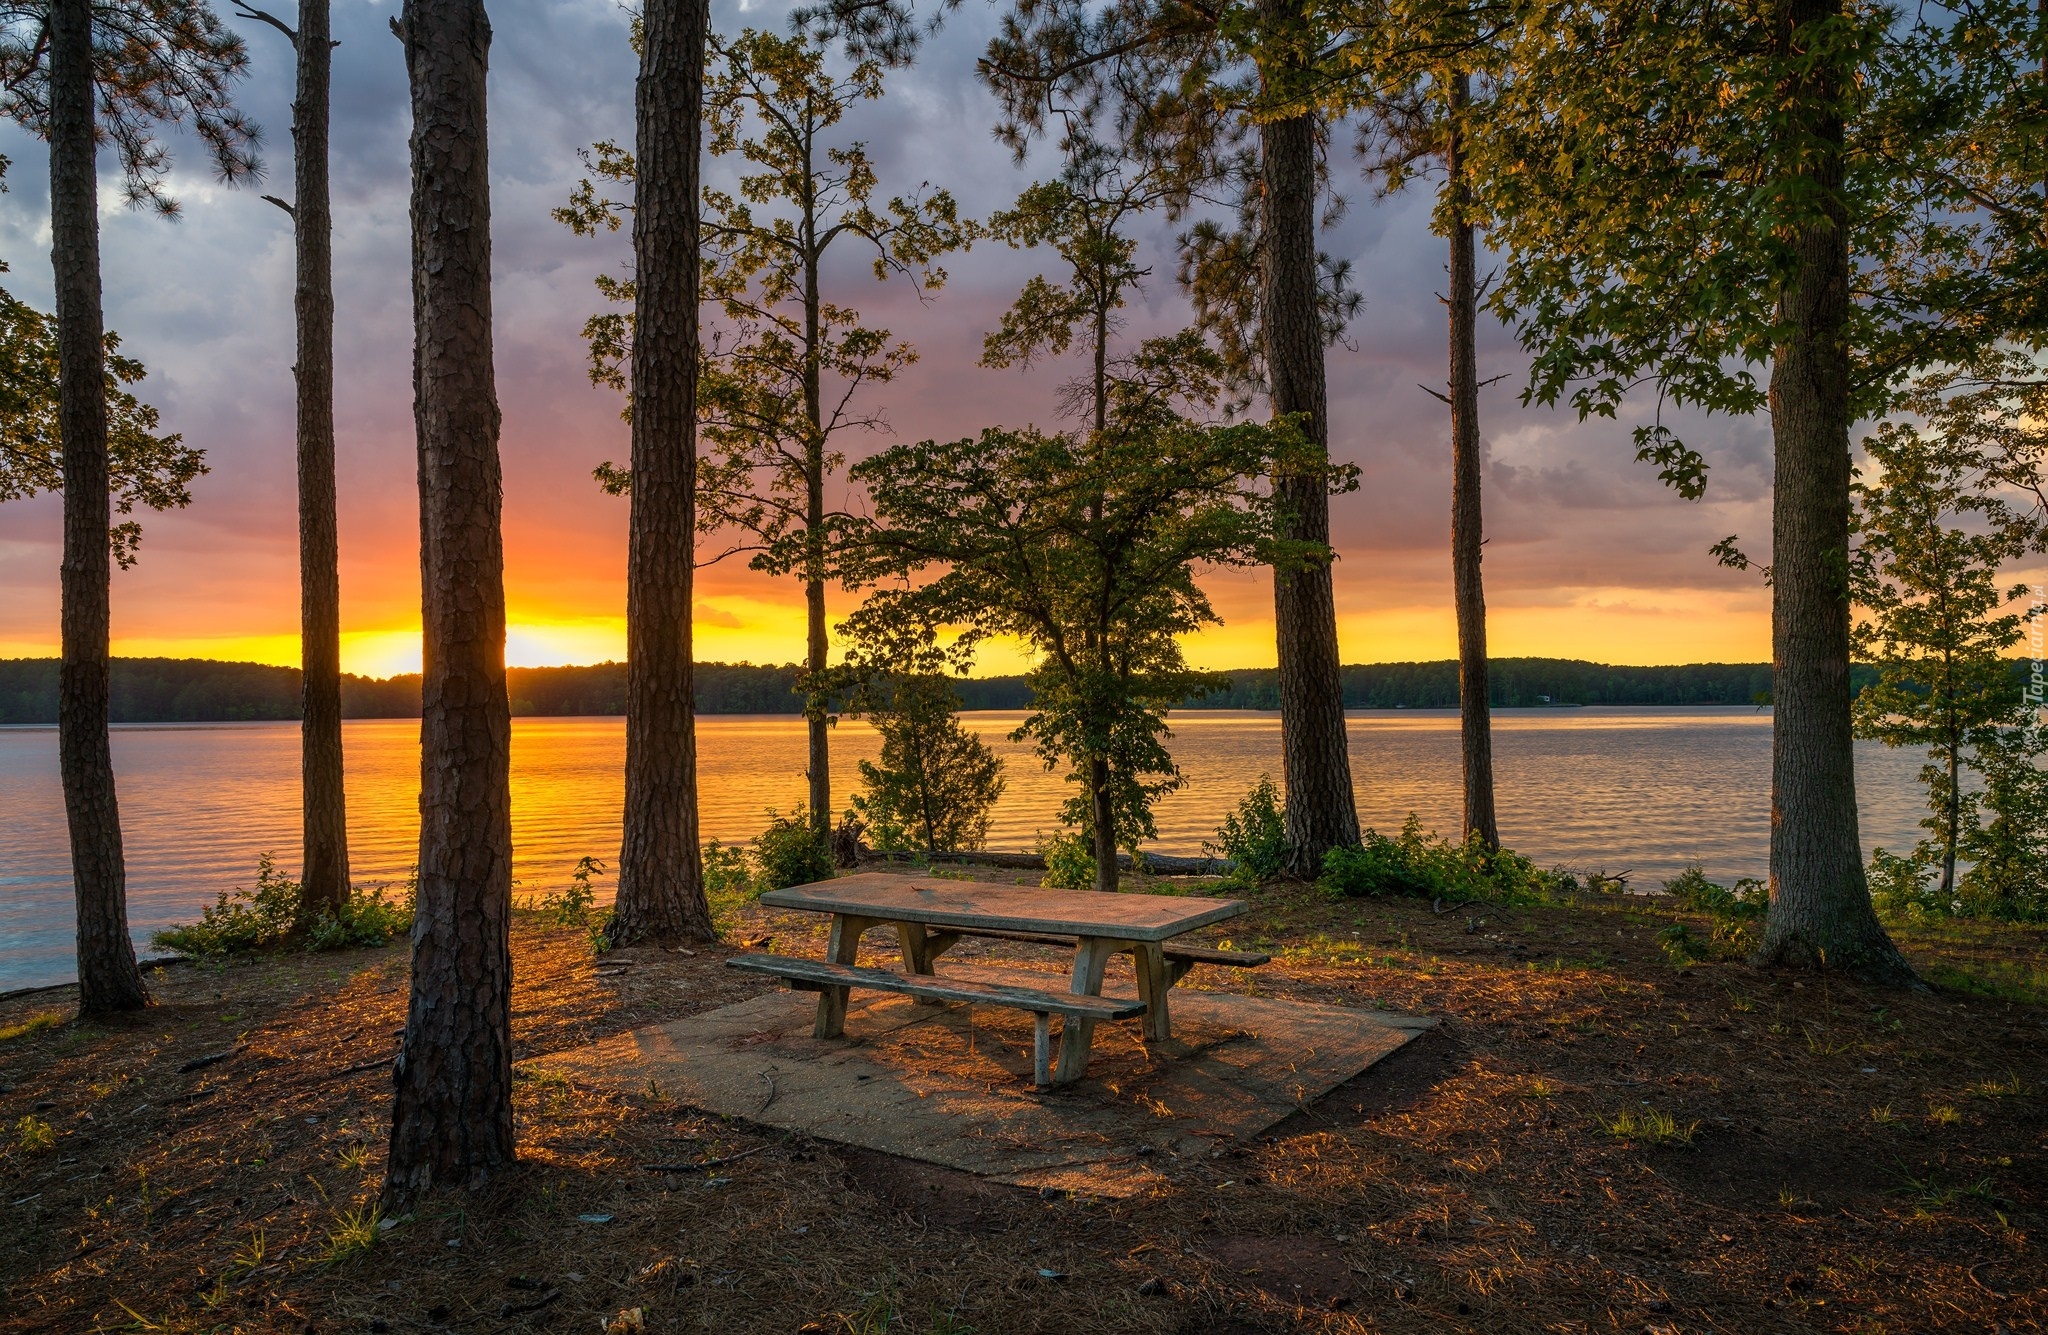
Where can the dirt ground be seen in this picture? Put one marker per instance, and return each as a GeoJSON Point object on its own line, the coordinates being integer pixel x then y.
{"type": "Point", "coordinates": [1834, 1159]}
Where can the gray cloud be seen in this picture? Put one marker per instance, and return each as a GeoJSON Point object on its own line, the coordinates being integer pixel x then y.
{"type": "Point", "coordinates": [206, 303]}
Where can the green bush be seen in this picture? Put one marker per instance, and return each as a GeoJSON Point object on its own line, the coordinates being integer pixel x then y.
{"type": "Point", "coordinates": [1907, 887]}
{"type": "Point", "coordinates": [270, 916]}
{"type": "Point", "coordinates": [1069, 862]}
{"type": "Point", "coordinates": [728, 884]}
{"type": "Point", "coordinates": [368, 918]}
{"type": "Point", "coordinates": [1416, 862]}
{"type": "Point", "coordinates": [1736, 911]}
{"type": "Point", "coordinates": [1254, 837]}
{"type": "Point", "coordinates": [575, 904]}
{"type": "Point", "coordinates": [790, 852]}
{"type": "Point", "coordinates": [1745, 901]}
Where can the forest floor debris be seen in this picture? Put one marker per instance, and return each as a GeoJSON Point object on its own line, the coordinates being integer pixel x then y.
{"type": "Point", "coordinates": [1856, 1160]}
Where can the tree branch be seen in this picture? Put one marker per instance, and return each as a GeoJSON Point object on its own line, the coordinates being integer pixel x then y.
{"type": "Point", "coordinates": [291, 34]}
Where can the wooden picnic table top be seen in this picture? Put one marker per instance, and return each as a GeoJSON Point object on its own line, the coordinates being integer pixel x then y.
{"type": "Point", "coordinates": [942, 902]}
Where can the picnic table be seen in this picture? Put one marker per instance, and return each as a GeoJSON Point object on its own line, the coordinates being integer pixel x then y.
{"type": "Point", "coordinates": [930, 916]}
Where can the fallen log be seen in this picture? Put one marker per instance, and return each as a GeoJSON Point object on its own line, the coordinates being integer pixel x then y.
{"type": "Point", "coordinates": [1154, 864]}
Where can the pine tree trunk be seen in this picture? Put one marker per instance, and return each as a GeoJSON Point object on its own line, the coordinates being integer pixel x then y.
{"type": "Point", "coordinates": [1820, 910]}
{"type": "Point", "coordinates": [661, 878]}
{"type": "Point", "coordinates": [1475, 716]}
{"type": "Point", "coordinates": [323, 806]}
{"type": "Point", "coordinates": [817, 726]}
{"type": "Point", "coordinates": [1322, 812]}
{"type": "Point", "coordinates": [452, 1118]}
{"type": "Point", "coordinates": [108, 979]}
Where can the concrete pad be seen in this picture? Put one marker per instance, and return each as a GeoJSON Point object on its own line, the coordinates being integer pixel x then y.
{"type": "Point", "coordinates": [951, 1085]}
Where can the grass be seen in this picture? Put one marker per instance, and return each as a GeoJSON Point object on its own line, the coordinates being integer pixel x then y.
{"type": "Point", "coordinates": [251, 1254]}
{"type": "Point", "coordinates": [2010, 1087]}
{"type": "Point", "coordinates": [34, 1024]}
{"type": "Point", "coordinates": [32, 1135]}
{"type": "Point", "coordinates": [1997, 980]}
{"type": "Point", "coordinates": [352, 1234]}
{"type": "Point", "coordinates": [1930, 1195]}
{"type": "Point", "coordinates": [1649, 1127]}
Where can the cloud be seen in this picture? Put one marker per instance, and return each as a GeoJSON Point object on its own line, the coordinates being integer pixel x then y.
{"type": "Point", "coordinates": [206, 304]}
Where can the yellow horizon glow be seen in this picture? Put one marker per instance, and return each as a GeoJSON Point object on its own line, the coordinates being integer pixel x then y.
{"type": "Point", "coordinates": [1643, 630]}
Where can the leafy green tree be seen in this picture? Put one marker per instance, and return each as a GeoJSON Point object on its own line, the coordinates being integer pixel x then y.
{"type": "Point", "coordinates": [1957, 501]}
{"type": "Point", "coordinates": [1686, 195]}
{"type": "Point", "coordinates": [2005, 831]}
{"type": "Point", "coordinates": [1221, 98]}
{"type": "Point", "coordinates": [1933, 543]}
{"type": "Point", "coordinates": [785, 377]}
{"type": "Point", "coordinates": [144, 467]}
{"type": "Point", "coordinates": [1084, 546]}
{"type": "Point", "coordinates": [1966, 95]}
{"type": "Point", "coordinates": [1082, 217]}
{"type": "Point", "coordinates": [937, 782]}
{"type": "Point", "coordinates": [75, 73]}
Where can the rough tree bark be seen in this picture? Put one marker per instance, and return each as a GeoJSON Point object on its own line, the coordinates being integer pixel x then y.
{"type": "Point", "coordinates": [1475, 717]}
{"type": "Point", "coordinates": [1102, 822]}
{"type": "Point", "coordinates": [323, 806]}
{"type": "Point", "coordinates": [661, 881]}
{"type": "Point", "coordinates": [108, 979]}
{"type": "Point", "coordinates": [1820, 910]}
{"type": "Point", "coordinates": [452, 1118]}
{"type": "Point", "coordinates": [1322, 812]}
{"type": "Point", "coordinates": [817, 723]}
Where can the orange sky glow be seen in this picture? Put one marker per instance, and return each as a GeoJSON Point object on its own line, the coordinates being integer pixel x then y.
{"type": "Point", "coordinates": [1588, 555]}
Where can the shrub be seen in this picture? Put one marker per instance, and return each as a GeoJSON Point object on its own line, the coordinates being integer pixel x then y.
{"type": "Point", "coordinates": [271, 916]}
{"type": "Point", "coordinates": [367, 918]}
{"type": "Point", "coordinates": [1745, 901]}
{"type": "Point", "coordinates": [1418, 863]}
{"type": "Point", "coordinates": [1254, 837]}
{"type": "Point", "coordinates": [574, 904]}
{"type": "Point", "coordinates": [937, 783]}
{"type": "Point", "coordinates": [1069, 862]}
{"type": "Point", "coordinates": [790, 852]}
{"type": "Point", "coordinates": [728, 884]}
{"type": "Point", "coordinates": [1681, 947]}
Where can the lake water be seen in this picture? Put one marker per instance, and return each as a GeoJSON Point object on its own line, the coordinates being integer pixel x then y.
{"type": "Point", "coordinates": [1637, 789]}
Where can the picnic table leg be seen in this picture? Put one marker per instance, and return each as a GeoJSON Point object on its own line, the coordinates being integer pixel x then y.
{"type": "Point", "coordinates": [843, 947]}
{"type": "Point", "coordinates": [917, 947]}
{"type": "Point", "coordinates": [1041, 1049]}
{"type": "Point", "coordinates": [1154, 982]}
{"type": "Point", "coordinates": [918, 954]}
{"type": "Point", "coordinates": [1076, 1035]}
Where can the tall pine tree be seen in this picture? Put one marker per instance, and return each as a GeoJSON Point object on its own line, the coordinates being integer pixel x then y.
{"type": "Point", "coordinates": [75, 72]}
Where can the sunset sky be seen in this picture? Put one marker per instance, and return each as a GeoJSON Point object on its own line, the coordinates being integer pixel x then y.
{"type": "Point", "coordinates": [1588, 557]}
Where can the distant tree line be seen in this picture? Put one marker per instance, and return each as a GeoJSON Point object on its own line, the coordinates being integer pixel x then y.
{"type": "Point", "coordinates": [1519, 683]}
{"type": "Point", "coordinates": [194, 690]}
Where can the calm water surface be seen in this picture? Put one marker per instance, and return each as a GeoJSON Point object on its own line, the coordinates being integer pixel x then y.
{"type": "Point", "coordinates": [1639, 789]}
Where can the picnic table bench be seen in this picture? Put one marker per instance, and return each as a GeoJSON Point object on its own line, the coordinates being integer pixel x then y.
{"type": "Point", "coordinates": [931, 916]}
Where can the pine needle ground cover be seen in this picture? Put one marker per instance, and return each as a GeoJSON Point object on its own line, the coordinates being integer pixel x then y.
{"type": "Point", "coordinates": [1597, 1136]}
